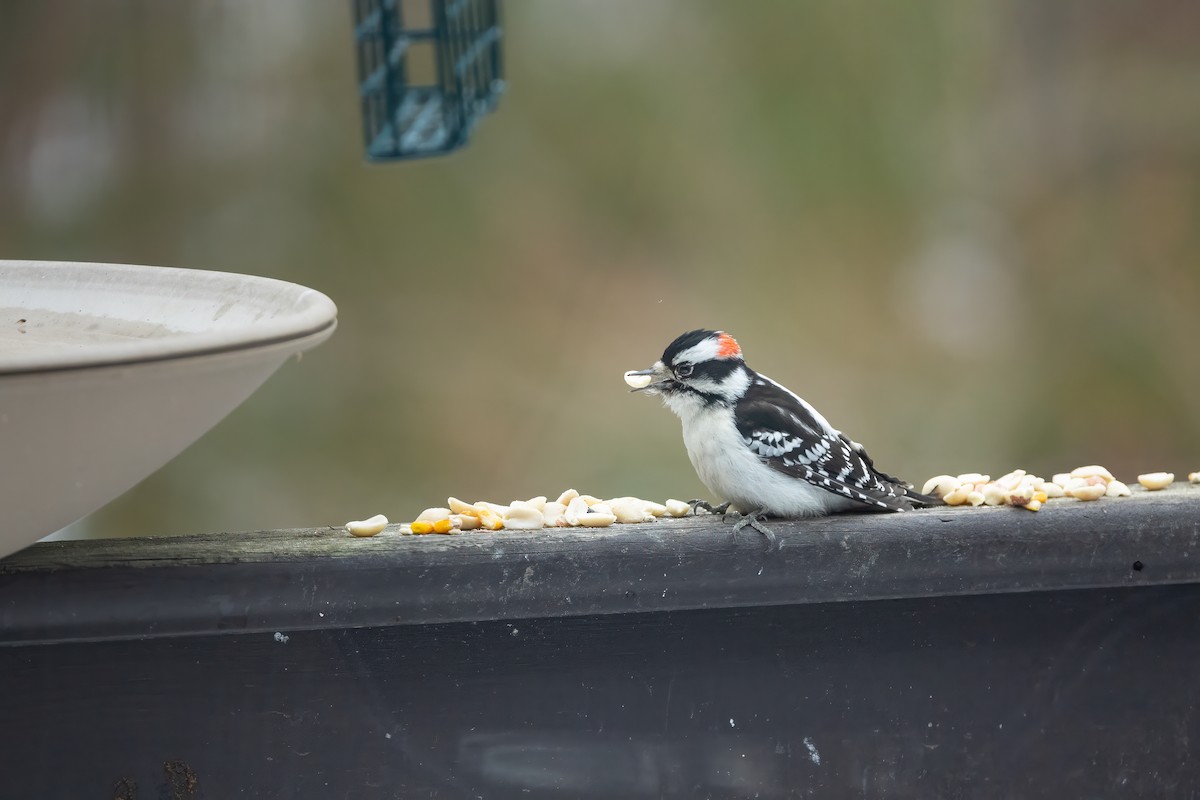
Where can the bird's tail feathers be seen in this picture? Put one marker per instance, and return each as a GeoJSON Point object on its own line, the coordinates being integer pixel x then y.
{"type": "Point", "coordinates": [921, 500]}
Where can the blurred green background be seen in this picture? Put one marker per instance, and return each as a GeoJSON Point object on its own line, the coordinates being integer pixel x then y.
{"type": "Point", "coordinates": [968, 233]}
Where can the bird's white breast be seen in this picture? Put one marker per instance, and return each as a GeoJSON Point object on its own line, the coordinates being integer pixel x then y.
{"type": "Point", "coordinates": [733, 472]}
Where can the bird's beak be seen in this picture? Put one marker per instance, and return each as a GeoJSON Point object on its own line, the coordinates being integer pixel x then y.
{"type": "Point", "coordinates": [650, 380]}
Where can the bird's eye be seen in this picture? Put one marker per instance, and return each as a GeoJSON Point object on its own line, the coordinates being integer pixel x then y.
{"type": "Point", "coordinates": [684, 370]}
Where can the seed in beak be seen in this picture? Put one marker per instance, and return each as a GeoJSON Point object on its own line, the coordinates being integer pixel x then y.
{"type": "Point", "coordinates": [638, 380]}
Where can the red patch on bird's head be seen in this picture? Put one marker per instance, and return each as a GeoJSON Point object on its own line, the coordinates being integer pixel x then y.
{"type": "Point", "coordinates": [727, 346]}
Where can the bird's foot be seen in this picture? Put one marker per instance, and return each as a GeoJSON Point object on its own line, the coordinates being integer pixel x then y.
{"type": "Point", "coordinates": [755, 520]}
{"type": "Point", "coordinates": [709, 507]}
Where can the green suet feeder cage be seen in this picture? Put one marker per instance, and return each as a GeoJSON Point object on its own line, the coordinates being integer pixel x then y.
{"type": "Point", "coordinates": [429, 70]}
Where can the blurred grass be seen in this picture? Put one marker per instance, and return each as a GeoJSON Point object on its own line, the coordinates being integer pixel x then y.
{"type": "Point", "coordinates": [969, 234]}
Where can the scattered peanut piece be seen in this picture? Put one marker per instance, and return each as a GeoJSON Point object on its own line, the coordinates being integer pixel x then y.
{"type": "Point", "coordinates": [1092, 471]}
{"type": "Point", "coordinates": [1050, 489]}
{"type": "Point", "coordinates": [678, 508]}
{"type": "Point", "coordinates": [577, 508]}
{"type": "Point", "coordinates": [1116, 488]}
{"type": "Point", "coordinates": [1072, 484]}
{"type": "Point", "coordinates": [638, 381]}
{"type": "Point", "coordinates": [1012, 480]}
{"type": "Point", "coordinates": [1194, 477]}
{"type": "Point", "coordinates": [1087, 491]}
{"type": "Point", "coordinates": [597, 520]}
{"type": "Point", "coordinates": [656, 510]}
{"type": "Point", "coordinates": [940, 485]}
{"type": "Point", "coordinates": [975, 497]}
{"type": "Point", "coordinates": [459, 507]}
{"type": "Point", "coordinates": [465, 522]}
{"type": "Point", "coordinates": [367, 527]}
{"type": "Point", "coordinates": [1024, 491]}
{"type": "Point", "coordinates": [1156, 480]}
{"type": "Point", "coordinates": [553, 515]}
{"type": "Point", "coordinates": [959, 495]}
{"type": "Point", "coordinates": [993, 495]}
{"type": "Point", "coordinates": [626, 509]}
{"type": "Point", "coordinates": [524, 517]}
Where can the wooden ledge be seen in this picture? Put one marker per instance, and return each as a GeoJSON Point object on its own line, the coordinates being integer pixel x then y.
{"type": "Point", "coordinates": [323, 578]}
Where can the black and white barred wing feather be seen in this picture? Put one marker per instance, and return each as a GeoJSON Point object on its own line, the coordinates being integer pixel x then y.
{"type": "Point", "coordinates": [789, 439]}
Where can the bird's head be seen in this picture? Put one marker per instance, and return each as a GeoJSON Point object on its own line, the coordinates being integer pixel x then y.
{"type": "Point", "coordinates": [702, 365]}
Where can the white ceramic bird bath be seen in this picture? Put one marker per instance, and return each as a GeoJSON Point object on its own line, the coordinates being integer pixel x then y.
{"type": "Point", "coordinates": [107, 371]}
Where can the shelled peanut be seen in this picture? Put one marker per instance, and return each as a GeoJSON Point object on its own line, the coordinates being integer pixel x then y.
{"type": "Point", "coordinates": [571, 509]}
{"type": "Point", "coordinates": [1020, 488]}
{"type": "Point", "coordinates": [1154, 481]}
{"type": "Point", "coordinates": [367, 527]}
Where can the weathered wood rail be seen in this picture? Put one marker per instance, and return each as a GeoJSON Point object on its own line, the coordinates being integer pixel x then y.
{"type": "Point", "coordinates": [949, 652]}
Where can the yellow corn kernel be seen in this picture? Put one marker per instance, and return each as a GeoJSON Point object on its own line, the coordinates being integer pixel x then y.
{"type": "Point", "coordinates": [1034, 505]}
{"type": "Point", "coordinates": [443, 526]}
{"type": "Point", "coordinates": [421, 526]}
{"type": "Point", "coordinates": [1040, 497]}
{"type": "Point", "coordinates": [490, 520]}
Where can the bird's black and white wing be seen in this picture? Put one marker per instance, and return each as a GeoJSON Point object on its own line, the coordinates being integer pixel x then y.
{"type": "Point", "coordinates": [792, 438]}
